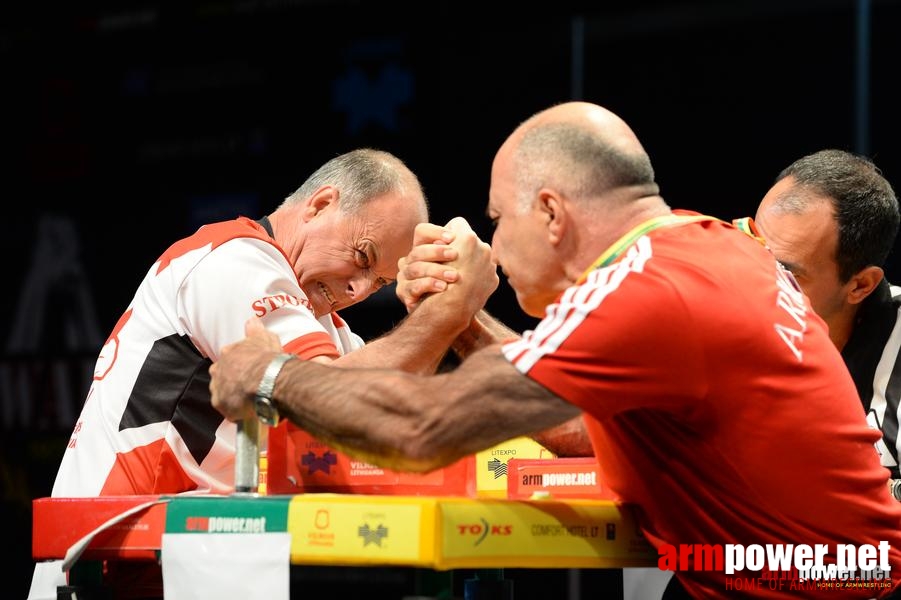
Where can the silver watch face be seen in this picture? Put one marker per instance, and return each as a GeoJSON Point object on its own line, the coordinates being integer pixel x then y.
{"type": "Point", "coordinates": [265, 410]}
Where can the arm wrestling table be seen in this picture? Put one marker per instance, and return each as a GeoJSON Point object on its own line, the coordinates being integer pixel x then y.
{"type": "Point", "coordinates": [434, 533]}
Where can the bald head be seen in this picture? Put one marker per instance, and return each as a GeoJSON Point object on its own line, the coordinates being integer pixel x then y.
{"type": "Point", "coordinates": [565, 185]}
{"type": "Point", "coordinates": [581, 149]}
{"type": "Point", "coordinates": [594, 119]}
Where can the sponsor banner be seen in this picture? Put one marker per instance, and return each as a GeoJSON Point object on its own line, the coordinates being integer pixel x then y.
{"type": "Point", "coordinates": [556, 478]}
{"type": "Point", "coordinates": [297, 463]}
{"type": "Point", "coordinates": [542, 533]}
{"type": "Point", "coordinates": [362, 529]}
{"type": "Point", "coordinates": [227, 514]}
{"type": "Point", "coordinates": [493, 469]}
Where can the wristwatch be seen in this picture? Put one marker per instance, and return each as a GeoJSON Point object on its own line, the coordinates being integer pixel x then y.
{"type": "Point", "coordinates": [895, 487]}
{"type": "Point", "coordinates": [262, 402]}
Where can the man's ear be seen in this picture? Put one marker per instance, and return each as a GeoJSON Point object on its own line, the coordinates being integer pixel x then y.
{"type": "Point", "coordinates": [319, 201]}
{"type": "Point", "coordinates": [863, 283]}
{"type": "Point", "coordinates": [554, 210]}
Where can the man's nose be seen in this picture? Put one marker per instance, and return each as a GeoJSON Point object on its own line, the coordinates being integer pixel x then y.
{"type": "Point", "coordinates": [361, 287]}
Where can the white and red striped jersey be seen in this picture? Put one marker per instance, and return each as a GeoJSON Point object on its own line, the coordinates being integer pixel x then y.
{"type": "Point", "coordinates": [147, 425]}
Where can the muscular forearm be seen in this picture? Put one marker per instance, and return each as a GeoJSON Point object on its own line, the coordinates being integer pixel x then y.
{"type": "Point", "coordinates": [417, 345]}
{"type": "Point", "coordinates": [414, 423]}
{"type": "Point", "coordinates": [366, 413]}
{"type": "Point", "coordinates": [396, 420]}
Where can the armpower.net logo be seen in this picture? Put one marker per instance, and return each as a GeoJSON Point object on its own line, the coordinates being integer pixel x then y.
{"type": "Point", "coordinates": [784, 566]}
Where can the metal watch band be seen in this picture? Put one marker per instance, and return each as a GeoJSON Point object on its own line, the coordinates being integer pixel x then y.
{"type": "Point", "coordinates": [896, 489]}
{"type": "Point", "coordinates": [265, 408]}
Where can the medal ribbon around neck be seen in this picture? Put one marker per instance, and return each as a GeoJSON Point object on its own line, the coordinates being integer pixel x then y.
{"type": "Point", "coordinates": [622, 244]}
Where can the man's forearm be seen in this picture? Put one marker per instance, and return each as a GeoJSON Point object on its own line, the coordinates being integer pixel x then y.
{"type": "Point", "coordinates": [484, 330]}
{"type": "Point", "coordinates": [370, 415]}
{"type": "Point", "coordinates": [408, 422]}
{"type": "Point", "coordinates": [417, 345]}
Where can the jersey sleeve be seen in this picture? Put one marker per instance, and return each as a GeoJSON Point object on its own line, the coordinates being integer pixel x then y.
{"type": "Point", "coordinates": [620, 341]}
{"type": "Point", "coordinates": [244, 278]}
{"type": "Point", "coordinates": [347, 340]}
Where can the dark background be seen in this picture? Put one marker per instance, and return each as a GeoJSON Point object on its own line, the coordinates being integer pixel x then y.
{"type": "Point", "coordinates": [125, 127]}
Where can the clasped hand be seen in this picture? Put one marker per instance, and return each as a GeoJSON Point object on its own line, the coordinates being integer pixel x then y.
{"type": "Point", "coordinates": [448, 259]}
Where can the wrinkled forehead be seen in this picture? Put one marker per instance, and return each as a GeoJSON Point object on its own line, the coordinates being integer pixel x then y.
{"type": "Point", "coordinates": [803, 241]}
{"type": "Point", "coordinates": [388, 223]}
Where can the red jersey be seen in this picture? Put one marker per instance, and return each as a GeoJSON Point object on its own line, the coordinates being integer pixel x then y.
{"type": "Point", "coordinates": [715, 401]}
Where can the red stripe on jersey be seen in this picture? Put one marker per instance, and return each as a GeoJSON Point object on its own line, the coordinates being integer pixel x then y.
{"type": "Point", "coordinates": [150, 469]}
{"type": "Point", "coordinates": [522, 353]}
{"type": "Point", "coordinates": [560, 319]}
{"type": "Point", "coordinates": [214, 235]}
{"type": "Point", "coordinates": [120, 323]}
{"type": "Point", "coordinates": [311, 345]}
{"type": "Point", "coordinates": [110, 351]}
{"type": "Point", "coordinates": [338, 321]}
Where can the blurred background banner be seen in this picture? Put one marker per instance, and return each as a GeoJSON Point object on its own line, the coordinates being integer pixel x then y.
{"type": "Point", "coordinates": [127, 126]}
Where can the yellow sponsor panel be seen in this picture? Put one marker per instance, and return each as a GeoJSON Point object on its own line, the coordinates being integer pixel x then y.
{"type": "Point", "coordinates": [330, 528]}
{"type": "Point", "coordinates": [494, 533]}
{"type": "Point", "coordinates": [491, 464]}
{"type": "Point", "coordinates": [450, 532]}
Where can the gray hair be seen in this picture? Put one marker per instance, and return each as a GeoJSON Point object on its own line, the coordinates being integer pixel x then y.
{"type": "Point", "coordinates": [360, 176]}
{"type": "Point", "coordinates": [577, 163]}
